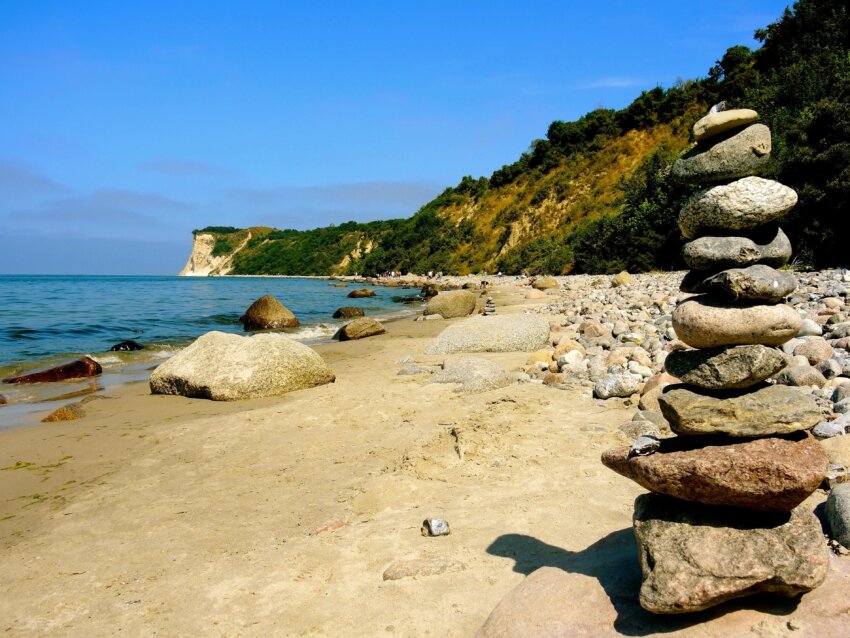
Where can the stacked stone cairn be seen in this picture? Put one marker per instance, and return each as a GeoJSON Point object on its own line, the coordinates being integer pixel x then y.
{"type": "Point", "coordinates": [724, 518]}
{"type": "Point", "coordinates": [490, 307]}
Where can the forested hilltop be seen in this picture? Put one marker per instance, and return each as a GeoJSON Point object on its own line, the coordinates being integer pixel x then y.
{"type": "Point", "coordinates": [595, 195]}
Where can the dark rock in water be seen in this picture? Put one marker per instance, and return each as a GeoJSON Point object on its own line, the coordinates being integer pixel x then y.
{"type": "Point", "coordinates": [732, 367]}
{"type": "Point", "coordinates": [348, 312]}
{"type": "Point", "coordinates": [756, 283]}
{"type": "Point", "coordinates": [407, 300]}
{"type": "Point", "coordinates": [695, 556]}
{"type": "Point", "coordinates": [359, 329]}
{"type": "Point", "coordinates": [726, 157]}
{"type": "Point", "coordinates": [361, 292]}
{"type": "Point", "coordinates": [3, 400]}
{"type": "Point", "coordinates": [127, 346]}
{"type": "Point", "coordinates": [770, 475]}
{"type": "Point", "coordinates": [267, 313]}
{"type": "Point", "coordinates": [717, 253]}
{"type": "Point", "coordinates": [430, 290]}
{"type": "Point", "coordinates": [81, 368]}
{"type": "Point", "coordinates": [775, 409]}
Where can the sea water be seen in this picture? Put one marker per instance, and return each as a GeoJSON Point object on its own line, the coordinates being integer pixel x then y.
{"type": "Point", "coordinates": [48, 319]}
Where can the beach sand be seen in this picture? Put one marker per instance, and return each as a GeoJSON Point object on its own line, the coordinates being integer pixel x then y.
{"type": "Point", "coordinates": [167, 516]}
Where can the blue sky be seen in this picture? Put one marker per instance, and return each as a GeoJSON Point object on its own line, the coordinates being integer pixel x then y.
{"type": "Point", "coordinates": [123, 126]}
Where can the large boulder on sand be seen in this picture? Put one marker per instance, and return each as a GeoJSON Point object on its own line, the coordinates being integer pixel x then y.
{"type": "Point", "coordinates": [473, 375]}
{"type": "Point", "coordinates": [267, 313]}
{"type": "Point", "coordinates": [545, 283]}
{"type": "Point", "coordinates": [499, 333]}
{"type": "Point", "coordinates": [359, 329]}
{"type": "Point", "coordinates": [228, 367]}
{"type": "Point", "coordinates": [454, 303]}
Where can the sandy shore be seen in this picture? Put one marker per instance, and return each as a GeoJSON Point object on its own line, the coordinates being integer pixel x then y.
{"type": "Point", "coordinates": [159, 515]}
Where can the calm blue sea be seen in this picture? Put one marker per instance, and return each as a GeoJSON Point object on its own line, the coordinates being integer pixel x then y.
{"type": "Point", "coordinates": [44, 319]}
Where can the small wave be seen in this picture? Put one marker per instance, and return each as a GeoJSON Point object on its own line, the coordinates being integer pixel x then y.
{"type": "Point", "coordinates": [309, 333]}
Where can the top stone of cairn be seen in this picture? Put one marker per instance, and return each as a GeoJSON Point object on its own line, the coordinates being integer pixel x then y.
{"type": "Point", "coordinates": [720, 122]}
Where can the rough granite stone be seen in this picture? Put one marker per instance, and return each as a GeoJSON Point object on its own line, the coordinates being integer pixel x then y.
{"type": "Point", "coordinates": [757, 283]}
{"type": "Point", "coordinates": [695, 556]}
{"type": "Point", "coordinates": [360, 328]}
{"type": "Point", "coordinates": [741, 154]}
{"type": "Point", "coordinates": [815, 349]}
{"type": "Point", "coordinates": [772, 474]}
{"type": "Point", "coordinates": [703, 323]}
{"type": "Point", "coordinates": [500, 333]}
{"type": "Point", "coordinates": [742, 205]}
{"type": "Point", "coordinates": [451, 304]}
{"type": "Point", "coordinates": [776, 409]}
{"type": "Point", "coordinates": [838, 513]}
{"type": "Point", "coordinates": [617, 385]}
{"type": "Point", "coordinates": [473, 375]}
{"type": "Point", "coordinates": [267, 313]}
{"type": "Point", "coordinates": [717, 253]}
{"type": "Point", "coordinates": [228, 367]}
{"type": "Point", "coordinates": [728, 368]}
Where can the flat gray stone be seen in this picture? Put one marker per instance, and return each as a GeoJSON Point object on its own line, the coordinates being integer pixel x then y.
{"type": "Point", "coordinates": [732, 367]}
{"type": "Point", "coordinates": [838, 513]}
{"type": "Point", "coordinates": [695, 556]}
{"type": "Point", "coordinates": [704, 323]}
{"type": "Point", "coordinates": [741, 154]}
{"type": "Point", "coordinates": [742, 205]}
{"type": "Point", "coordinates": [755, 283]}
{"type": "Point", "coordinates": [716, 123]}
{"type": "Point", "coordinates": [718, 253]}
{"type": "Point", "coordinates": [769, 411]}
{"type": "Point", "coordinates": [500, 333]}
{"type": "Point", "coordinates": [473, 375]}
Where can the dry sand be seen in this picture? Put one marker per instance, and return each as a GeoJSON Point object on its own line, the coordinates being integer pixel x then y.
{"type": "Point", "coordinates": [158, 515]}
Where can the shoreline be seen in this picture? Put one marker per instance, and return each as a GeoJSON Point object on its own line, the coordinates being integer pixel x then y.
{"type": "Point", "coordinates": [300, 514]}
{"type": "Point", "coordinates": [149, 498]}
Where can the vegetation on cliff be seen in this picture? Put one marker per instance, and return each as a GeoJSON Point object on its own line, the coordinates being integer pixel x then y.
{"type": "Point", "coordinates": [596, 195]}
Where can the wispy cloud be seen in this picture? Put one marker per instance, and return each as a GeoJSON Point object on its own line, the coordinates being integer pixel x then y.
{"type": "Point", "coordinates": [17, 178]}
{"type": "Point", "coordinates": [174, 167]}
{"type": "Point", "coordinates": [104, 213]}
{"type": "Point", "coordinates": [611, 83]}
{"type": "Point", "coordinates": [395, 198]}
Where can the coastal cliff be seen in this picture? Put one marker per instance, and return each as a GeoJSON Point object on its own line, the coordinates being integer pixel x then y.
{"type": "Point", "coordinates": [595, 195]}
{"type": "Point", "coordinates": [205, 261]}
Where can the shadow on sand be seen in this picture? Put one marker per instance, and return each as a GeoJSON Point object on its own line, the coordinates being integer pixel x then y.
{"type": "Point", "coordinates": [613, 561]}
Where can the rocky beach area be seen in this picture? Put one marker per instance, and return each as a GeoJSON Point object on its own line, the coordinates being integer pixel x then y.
{"type": "Point", "coordinates": [301, 514]}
